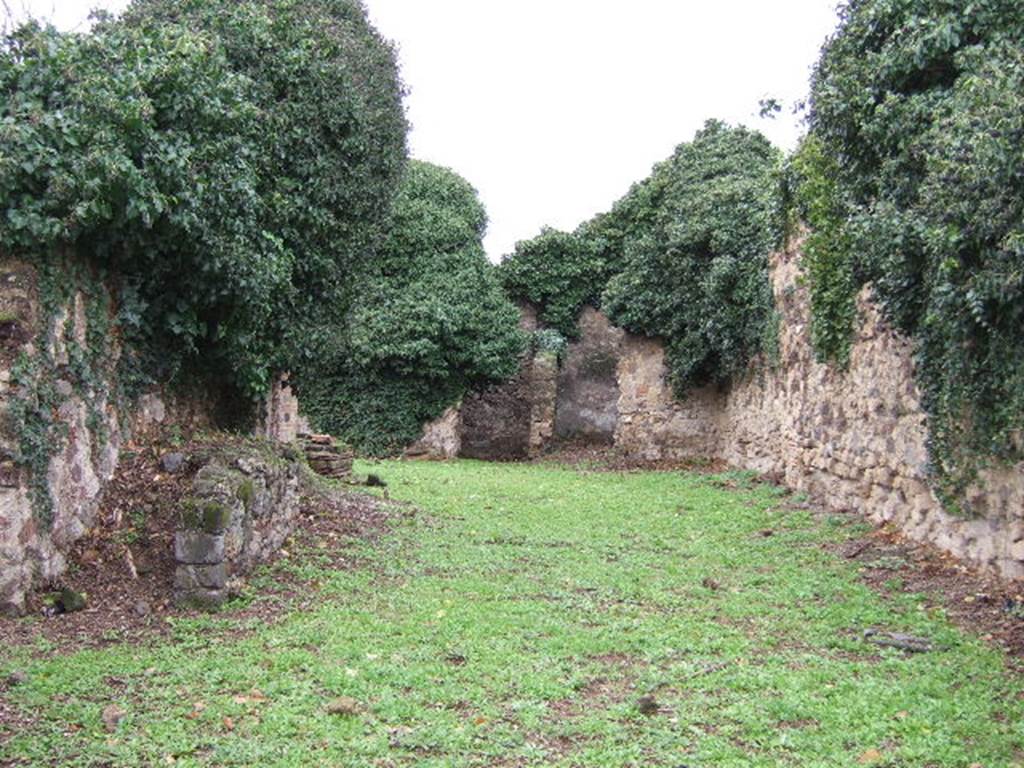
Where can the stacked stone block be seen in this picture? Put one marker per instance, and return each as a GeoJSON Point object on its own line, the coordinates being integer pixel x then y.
{"type": "Point", "coordinates": [326, 456]}
{"type": "Point", "coordinates": [201, 577]}
{"type": "Point", "coordinates": [244, 505]}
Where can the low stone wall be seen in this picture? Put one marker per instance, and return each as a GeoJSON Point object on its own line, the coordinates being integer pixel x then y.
{"type": "Point", "coordinates": [244, 505]}
{"type": "Point", "coordinates": [63, 427]}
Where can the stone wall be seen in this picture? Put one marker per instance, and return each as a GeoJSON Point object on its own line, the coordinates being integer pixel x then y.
{"type": "Point", "coordinates": [62, 428]}
{"type": "Point", "coordinates": [73, 438]}
{"type": "Point", "coordinates": [852, 440]}
{"type": "Point", "coordinates": [442, 437]}
{"type": "Point", "coordinates": [280, 420]}
{"type": "Point", "coordinates": [587, 407]}
{"type": "Point", "coordinates": [507, 421]}
{"type": "Point", "coordinates": [244, 505]}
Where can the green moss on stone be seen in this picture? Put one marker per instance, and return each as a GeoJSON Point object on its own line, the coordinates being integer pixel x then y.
{"type": "Point", "coordinates": [246, 491]}
{"type": "Point", "coordinates": [209, 516]}
{"type": "Point", "coordinates": [216, 517]}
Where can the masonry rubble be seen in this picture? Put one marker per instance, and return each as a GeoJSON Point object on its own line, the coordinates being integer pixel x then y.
{"type": "Point", "coordinates": [244, 505]}
{"type": "Point", "coordinates": [326, 456]}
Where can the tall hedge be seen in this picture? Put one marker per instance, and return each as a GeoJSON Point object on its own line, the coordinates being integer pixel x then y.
{"type": "Point", "coordinates": [915, 170]}
{"type": "Point", "coordinates": [428, 322]}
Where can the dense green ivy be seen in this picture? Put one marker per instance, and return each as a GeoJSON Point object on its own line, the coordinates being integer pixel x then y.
{"type": "Point", "coordinates": [228, 163]}
{"type": "Point", "coordinates": [558, 272]}
{"type": "Point", "coordinates": [812, 187]}
{"type": "Point", "coordinates": [696, 274]}
{"type": "Point", "coordinates": [427, 323]}
{"type": "Point", "coordinates": [683, 256]}
{"type": "Point", "coordinates": [920, 105]}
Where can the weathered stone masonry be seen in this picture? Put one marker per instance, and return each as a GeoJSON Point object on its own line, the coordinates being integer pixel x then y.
{"type": "Point", "coordinates": [89, 427]}
{"type": "Point", "coordinates": [852, 440]}
{"type": "Point", "coordinates": [244, 504]}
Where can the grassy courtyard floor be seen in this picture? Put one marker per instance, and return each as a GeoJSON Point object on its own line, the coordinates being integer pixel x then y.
{"type": "Point", "coordinates": [534, 615]}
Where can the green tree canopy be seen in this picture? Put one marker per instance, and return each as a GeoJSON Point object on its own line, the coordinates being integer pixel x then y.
{"type": "Point", "coordinates": [229, 163]}
{"type": "Point", "coordinates": [429, 321]}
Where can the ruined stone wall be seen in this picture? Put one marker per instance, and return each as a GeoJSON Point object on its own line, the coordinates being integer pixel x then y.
{"type": "Point", "coordinates": [71, 435]}
{"type": "Point", "coordinates": [280, 420]}
{"type": "Point", "coordinates": [509, 421]}
{"type": "Point", "coordinates": [857, 439]}
{"type": "Point", "coordinates": [244, 505]}
{"type": "Point", "coordinates": [62, 424]}
{"type": "Point", "coordinates": [442, 437]}
{"type": "Point", "coordinates": [852, 440]}
{"type": "Point", "coordinates": [587, 408]}
{"type": "Point", "coordinates": [652, 424]}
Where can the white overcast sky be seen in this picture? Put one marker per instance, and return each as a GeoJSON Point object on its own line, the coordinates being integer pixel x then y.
{"type": "Point", "coordinates": [552, 108]}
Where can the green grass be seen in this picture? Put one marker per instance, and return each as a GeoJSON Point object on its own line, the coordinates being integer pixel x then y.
{"type": "Point", "coordinates": [518, 620]}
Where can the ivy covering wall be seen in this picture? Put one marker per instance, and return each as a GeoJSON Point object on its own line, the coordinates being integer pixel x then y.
{"type": "Point", "coordinates": [912, 179]}
{"type": "Point", "coordinates": [237, 172]}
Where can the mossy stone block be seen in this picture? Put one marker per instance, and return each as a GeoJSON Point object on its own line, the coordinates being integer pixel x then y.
{"type": "Point", "coordinates": [246, 492]}
{"type": "Point", "coordinates": [208, 517]}
{"type": "Point", "coordinates": [216, 517]}
{"type": "Point", "coordinates": [72, 600]}
{"type": "Point", "coordinates": [198, 547]}
{"type": "Point", "coordinates": [192, 577]}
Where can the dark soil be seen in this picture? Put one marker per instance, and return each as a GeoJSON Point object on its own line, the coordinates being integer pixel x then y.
{"type": "Point", "coordinates": [595, 457]}
{"type": "Point", "coordinates": [978, 602]}
{"type": "Point", "coordinates": [135, 529]}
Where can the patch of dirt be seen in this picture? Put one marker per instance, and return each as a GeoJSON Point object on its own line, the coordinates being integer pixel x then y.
{"type": "Point", "coordinates": [978, 602]}
{"type": "Point", "coordinates": [135, 529]}
{"type": "Point", "coordinates": [606, 690]}
{"type": "Point", "coordinates": [588, 457]}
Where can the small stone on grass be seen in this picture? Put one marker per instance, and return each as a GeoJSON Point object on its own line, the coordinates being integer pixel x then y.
{"type": "Point", "coordinates": [344, 706]}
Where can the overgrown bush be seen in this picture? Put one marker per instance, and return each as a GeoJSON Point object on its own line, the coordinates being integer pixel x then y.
{"type": "Point", "coordinates": [428, 322]}
{"type": "Point", "coordinates": [227, 162]}
{"type": "Point", "coordinates": [920, 105]}
{"type": "Point", "coordinates": [558, 272]}
{"type": "Point", "coordinates": [683, 256]}
{"type": "Point", "coordinates": [696, 272]}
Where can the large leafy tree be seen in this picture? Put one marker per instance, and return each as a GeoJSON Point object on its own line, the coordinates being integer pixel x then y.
{"type": "Point", "coordinates": [558, 272]}
{"type": "Point", "coordinates": [429, 321]}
